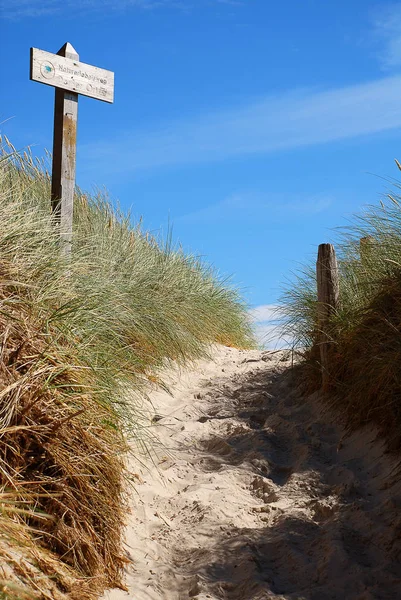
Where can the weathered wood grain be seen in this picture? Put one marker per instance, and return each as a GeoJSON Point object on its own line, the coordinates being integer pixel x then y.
{"type": "Point", "coordinates": [70, 78]}
{"type": "Point", "coordinates": [328, 296]}
{"type": "Point", "coordinates": [67, 73]}
{"type": "Point", "coordinates": [64, 157]}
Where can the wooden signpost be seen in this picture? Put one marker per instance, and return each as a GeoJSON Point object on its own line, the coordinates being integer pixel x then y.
{"type": "Point", "coordinates": [70, 78]}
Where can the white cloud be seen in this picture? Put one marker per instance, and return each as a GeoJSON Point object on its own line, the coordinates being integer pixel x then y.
{"type": "Point", "coordinates": [251, 205]}
{"type": "Point", "coordinates": [284, 121]}
{"type": "Point", "coordinates": [266, 322]}
{"type": "Point", "coordinates": [270, 337]}
{"type": "Point", "coordinates": [265, 312]}
{"type": "Point", "coordinates": [387, 24]}
{"type": "Point", "coordinates": [19, 9]}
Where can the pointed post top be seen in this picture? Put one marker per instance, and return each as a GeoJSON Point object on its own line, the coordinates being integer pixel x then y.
{"type": "Point", "coordinates": [68, 51]}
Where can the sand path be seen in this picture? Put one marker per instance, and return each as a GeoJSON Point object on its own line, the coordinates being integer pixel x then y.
{"type": "Point", "coordinates": [258, 495]}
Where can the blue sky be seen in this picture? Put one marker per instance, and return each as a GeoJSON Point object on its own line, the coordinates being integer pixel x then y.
{"type": "Point", "coordinates": [253, 127]}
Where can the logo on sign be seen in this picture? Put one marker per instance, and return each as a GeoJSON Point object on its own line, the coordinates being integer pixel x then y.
{"type": "Point", "coordinates": [47, 69]}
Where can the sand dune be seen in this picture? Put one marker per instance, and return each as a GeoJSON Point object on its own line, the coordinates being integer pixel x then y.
{"type": "Point", "coordinates": [257, 494]}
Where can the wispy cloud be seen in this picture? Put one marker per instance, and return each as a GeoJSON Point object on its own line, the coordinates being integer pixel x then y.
{"type": "Point", "coordinates": [28, 8]}
{"type": "Point", "coordinates": [284, 121]}
{"type": "Point", "coordinates": [265, 312]}
{"type": "Point", "coordinates": [19, 9]}
{"type": "Point", "coordinates": [387, 23]}
{"type": "Point", "coordinates": [266, 322]}
{"type": "Point", "coordinates": [252, 205]}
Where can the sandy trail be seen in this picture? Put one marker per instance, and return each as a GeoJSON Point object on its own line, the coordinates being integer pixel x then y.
{"type": "Point", "coordinates": [258, 495]}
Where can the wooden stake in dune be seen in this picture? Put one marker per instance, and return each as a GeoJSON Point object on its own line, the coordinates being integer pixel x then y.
{"type": "Point", "coordinates": [328, 294]}
{"type": "Point", "coordinates": [70, 78]}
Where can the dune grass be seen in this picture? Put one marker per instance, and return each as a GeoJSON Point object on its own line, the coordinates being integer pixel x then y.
{"type": "Point", "coordinates": [81, 340]}
{"type": "Point", "coordinates": [365, 352]}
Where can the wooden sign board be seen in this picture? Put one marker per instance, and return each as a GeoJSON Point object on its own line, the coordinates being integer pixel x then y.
{"type": "Point", "coordinates": [72, 75]}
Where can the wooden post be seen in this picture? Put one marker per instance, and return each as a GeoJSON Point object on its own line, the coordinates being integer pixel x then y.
{"type": "Point", "coordinates": [328, 301]}
{"type": "Point", "coordinates": [70, 78]}
{"type": "Point", "coordinates": [64, 156]}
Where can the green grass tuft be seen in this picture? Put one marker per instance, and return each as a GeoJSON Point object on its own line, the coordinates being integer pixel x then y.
{"type": "Point", "coordinates": [81, 339]}
{"type": "Point", "coordinates": [365, 353]}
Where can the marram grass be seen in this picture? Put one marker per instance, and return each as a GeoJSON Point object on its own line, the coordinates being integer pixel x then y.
{"type": "Point", "coordinates": [80, 341]}
{"type": "Point", "coordinates": [365, 352]}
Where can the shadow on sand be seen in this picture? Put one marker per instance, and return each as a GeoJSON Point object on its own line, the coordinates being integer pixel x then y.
{"type": "Point", "coordinates": [325, 531]}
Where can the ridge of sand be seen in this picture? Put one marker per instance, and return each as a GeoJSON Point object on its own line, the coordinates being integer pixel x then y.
{"type": "Point", "coordinates": [257, 494]}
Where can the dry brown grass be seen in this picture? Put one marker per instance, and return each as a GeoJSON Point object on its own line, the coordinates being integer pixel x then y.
{"type": "Point", "coordinates": [80, 339]}
{"type": "Point", "coordinates": [365, 353]}
{"type": "Point", "coordinates": [367, 364]}
{"type": "Point", "coordinates": [57, 458]}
